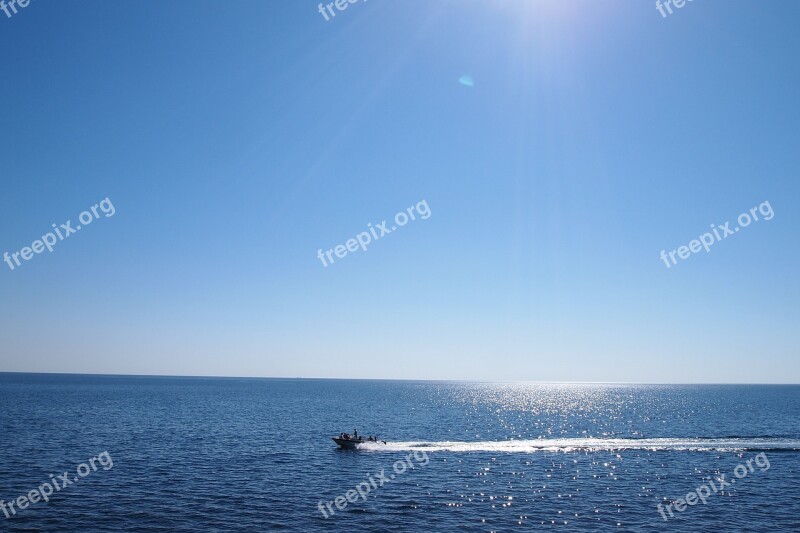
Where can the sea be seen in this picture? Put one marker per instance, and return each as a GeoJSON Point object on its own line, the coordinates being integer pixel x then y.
{"type": "Point", "coordinates": [174, 454]}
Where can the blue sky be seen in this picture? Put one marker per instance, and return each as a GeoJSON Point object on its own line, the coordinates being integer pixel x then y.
{"type": "Point", "coordinates": [237, 139]}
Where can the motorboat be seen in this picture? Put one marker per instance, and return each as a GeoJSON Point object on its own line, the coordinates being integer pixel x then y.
{"type": "Point", "coordinates": [348, 442]}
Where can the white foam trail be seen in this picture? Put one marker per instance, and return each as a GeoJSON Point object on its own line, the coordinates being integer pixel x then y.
{"type": "Point", "coordinates": [578, 444]}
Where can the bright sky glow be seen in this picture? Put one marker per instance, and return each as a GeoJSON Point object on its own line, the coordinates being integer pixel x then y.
{"type": "Point", "coordinates": [560, 146]}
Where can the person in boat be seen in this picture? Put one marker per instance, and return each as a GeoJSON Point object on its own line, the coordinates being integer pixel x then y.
{"type": "Point", "coordinates": [355, 434]}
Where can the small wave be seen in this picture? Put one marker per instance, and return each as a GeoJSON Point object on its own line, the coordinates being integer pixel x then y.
{"type": "Point", "coordinates": [700, 444]}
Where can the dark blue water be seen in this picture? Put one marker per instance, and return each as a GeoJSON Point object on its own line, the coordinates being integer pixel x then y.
{"type": "Point", "coordinates": [256, 455]}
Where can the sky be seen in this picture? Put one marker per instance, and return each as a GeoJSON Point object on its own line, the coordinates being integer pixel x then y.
{"type": "Point", "coordinates": [559, 147]}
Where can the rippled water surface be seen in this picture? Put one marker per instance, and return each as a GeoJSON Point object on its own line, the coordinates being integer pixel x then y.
{"type": "Point", "coordinates": [256, 455]}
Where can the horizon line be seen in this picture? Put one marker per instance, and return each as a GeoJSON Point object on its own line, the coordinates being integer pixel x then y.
{"type": "Point", "coordinates": [297, 378]}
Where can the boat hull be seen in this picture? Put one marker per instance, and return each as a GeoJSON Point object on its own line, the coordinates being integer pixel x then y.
{"type": "Point", "coordinates": [348, 444]}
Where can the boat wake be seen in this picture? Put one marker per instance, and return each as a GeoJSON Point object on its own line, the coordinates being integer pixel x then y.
{"type": "Point", "coordinates": [737, 444]}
